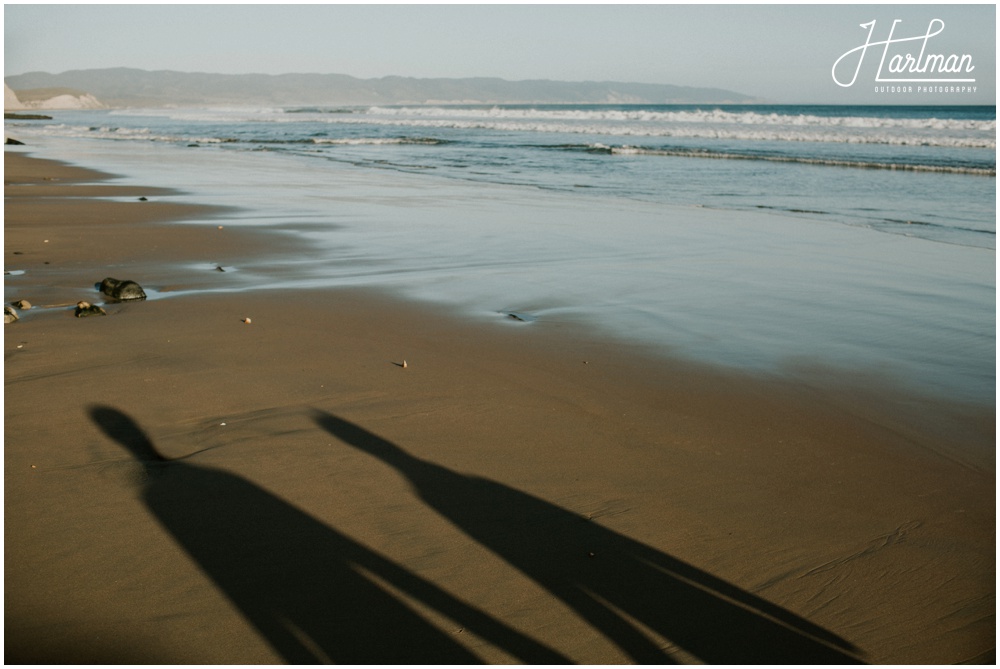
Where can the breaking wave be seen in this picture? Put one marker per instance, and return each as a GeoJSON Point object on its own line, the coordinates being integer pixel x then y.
{"type": "Point", "coordinates": [715, 116]}
{"type": "Point", "coordinates": [147, 134]}
{"type": "Point", "coordinates": [375, 141]}
{"type": "Point", "coordinates": [711, 124]}
{"type": "Point", "coordinates": [929, 127]}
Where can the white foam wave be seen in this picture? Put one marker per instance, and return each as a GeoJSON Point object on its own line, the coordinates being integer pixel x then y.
{"type": "Point", "coordinates": [713, 116]}
{"type": "Point", "coordinates": [899, 135]}
{"type": "Point", "coordinates": [374, 141]}
{"type": "Point", "coordinates": [693, 124]}
{"type": "Point", "coordinates": [113, 133]}
{"type": "Point", "coordinates": [609, 123]}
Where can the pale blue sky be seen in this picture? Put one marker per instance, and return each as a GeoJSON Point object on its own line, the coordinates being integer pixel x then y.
{"type": "Point", "coordinates": [782, 53]}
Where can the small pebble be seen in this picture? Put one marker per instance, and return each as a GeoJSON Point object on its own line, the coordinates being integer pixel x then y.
{"type": "Point", "coordinates": [247, 321]}
{"type": "Point", "coordinates": [404, 364]}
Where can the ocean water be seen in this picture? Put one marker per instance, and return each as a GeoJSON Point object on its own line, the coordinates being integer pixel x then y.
{"type": "Point", "coordinates": [860, 239]}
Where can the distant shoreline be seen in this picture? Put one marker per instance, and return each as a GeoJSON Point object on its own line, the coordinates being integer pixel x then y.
{"type": "Point", "coordinates": [26, 117]}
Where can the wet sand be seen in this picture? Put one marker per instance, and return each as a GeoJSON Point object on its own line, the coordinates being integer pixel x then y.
{"type": "Point", "coordinates": [185, 487]}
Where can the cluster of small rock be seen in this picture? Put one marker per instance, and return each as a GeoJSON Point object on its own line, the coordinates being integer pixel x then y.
{"type": "Point", "coordinates": [113, 288]}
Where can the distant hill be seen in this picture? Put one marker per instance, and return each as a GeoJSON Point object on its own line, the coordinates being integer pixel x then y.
{"type": "Point", "coordinates": [126, 87]}
{"type": "Point", "coordinates": [48, 98]}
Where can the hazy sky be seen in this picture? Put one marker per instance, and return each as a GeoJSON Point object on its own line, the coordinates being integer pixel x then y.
{"type": "Point", "coordinates": [783, 53]}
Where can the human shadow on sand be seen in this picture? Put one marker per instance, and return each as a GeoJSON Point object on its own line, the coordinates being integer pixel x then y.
{"type": "Point", "coordinates": [310, 591]}
{"type": "Point", "coordinates": [614, 583]}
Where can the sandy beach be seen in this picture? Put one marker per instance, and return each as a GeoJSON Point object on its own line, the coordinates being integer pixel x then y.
{"type": "Point", "coordinates": [185, 486]}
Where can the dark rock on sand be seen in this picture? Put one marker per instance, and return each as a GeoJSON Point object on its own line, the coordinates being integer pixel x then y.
{"type": "Point", "coordinates": [13, 142]}
{"type": "Point", "coordinates": [84, 309]}
{"type": "Point", "coordinates": [122, 290]}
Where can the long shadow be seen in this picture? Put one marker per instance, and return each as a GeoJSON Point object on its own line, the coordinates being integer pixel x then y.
{"type": "Point", "coordinates": [306, 588]}
{"type": "Point", "coordinates": [611, 581]}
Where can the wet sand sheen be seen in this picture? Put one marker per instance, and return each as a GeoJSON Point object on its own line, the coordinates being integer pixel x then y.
{"type": "Point", "coordinates": [184, 487]}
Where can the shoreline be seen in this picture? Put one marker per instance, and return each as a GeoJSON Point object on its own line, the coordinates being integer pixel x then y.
{"type": "Point", "coordinates": [846, 512]}
{"type": "Point", "coordinates": [799, 291]}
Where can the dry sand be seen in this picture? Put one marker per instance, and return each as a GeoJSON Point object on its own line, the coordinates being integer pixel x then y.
{"type": "Point", "coordinates": [184, 487]}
